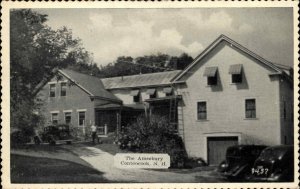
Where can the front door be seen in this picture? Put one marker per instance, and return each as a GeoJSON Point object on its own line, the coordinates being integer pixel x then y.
{"type": "Point", "coordinates": [216, 148]}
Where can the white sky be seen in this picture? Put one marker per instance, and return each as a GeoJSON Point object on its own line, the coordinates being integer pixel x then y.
{"type": "Point", "coordinates": [109, 33]}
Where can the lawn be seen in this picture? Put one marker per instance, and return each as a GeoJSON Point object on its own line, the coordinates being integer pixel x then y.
{"type": "Point", "coordinates": [25, 169]}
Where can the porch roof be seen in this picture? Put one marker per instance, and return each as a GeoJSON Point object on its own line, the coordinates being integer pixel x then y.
{"type": "Point", "coordinates": [163, 99]}
{"type": "Point", "coordinates": [119, 107]}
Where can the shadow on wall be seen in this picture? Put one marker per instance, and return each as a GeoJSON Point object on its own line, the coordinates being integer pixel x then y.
{"type": "Point", "coordinates": [219, 86]}
{"type": "Point", "coordinates": [244, 84]}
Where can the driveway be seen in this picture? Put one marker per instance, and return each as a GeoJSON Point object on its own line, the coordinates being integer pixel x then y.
{"type": "Point", "coordinates": [103, 161]}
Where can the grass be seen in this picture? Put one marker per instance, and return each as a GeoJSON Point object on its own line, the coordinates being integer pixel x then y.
{"type": "Point", "coordinates": [25, 169]}
{"type": "Point", "coordinates": [48, 151]}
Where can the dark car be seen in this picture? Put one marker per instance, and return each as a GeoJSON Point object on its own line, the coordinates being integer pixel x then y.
{"type": "Point", "coordinates": [54, 133]}
{"type": "Point", "coordinates": [239, 161]}
{"type": "Point", "coordinates": [275, 164]}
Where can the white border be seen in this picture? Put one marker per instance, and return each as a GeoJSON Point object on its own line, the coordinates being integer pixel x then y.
{"type": "Point", "coordinates": [6, 5]}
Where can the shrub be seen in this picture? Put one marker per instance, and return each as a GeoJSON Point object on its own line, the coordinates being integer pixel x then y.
{"type": "Point", "coordinates": [154, 135]}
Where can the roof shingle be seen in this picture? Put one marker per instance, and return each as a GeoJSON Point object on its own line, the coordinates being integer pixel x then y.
{"type": "Point", "coordinates": [91, 84]}
{"type": "Point", "coordinates": [142, 80]}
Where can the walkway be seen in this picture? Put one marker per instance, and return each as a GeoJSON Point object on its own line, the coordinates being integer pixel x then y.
{"type": "Point", "coordinates": [103, 162]}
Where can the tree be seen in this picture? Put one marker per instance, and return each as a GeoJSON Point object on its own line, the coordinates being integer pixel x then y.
{"type": "Point", "coordinates": [35, 52]}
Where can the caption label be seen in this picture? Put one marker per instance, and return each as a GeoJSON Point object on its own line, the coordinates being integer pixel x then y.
{"type": "Point", "coordinates": [141, 161]}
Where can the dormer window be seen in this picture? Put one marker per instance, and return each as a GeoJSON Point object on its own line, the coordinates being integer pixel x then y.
{"type": "Point", "coordinates": [236, 73]}
{"type": "Point", "coordinates": [136, 95]}
{"type": "Point", "coordinates": [52, 90]}
{"type": "Point", "coordinates": [151, 92]}
{"type": "Point", "coordinates": [211, 74]}
{"type": "Point", "coordinates": [168, 91]}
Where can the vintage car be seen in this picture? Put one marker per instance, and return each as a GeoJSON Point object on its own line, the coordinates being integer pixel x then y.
{"type": "Point", "coordinates": [275, 164]}
{"type": "Point", "coordinates": [239, 161]}
{"type": "Point", "coordinates": [54, 133]}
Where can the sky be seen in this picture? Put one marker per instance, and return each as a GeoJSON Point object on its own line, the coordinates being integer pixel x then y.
{"type": "Point", "coordinates": [110, 33]}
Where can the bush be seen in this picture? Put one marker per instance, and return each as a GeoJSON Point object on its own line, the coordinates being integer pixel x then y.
{"type": "Point", "coordinates": [154, 135]}
{"type": "Point", "coordinates": [19, 137]}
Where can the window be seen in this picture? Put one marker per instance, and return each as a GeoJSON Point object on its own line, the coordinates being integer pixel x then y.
{"type": "Point", "coordinates": [202, 113]}
{"type": "Point", "coordinates": [81, 118]}
{"type": "Point", "coordinates": [250, 108]}
{"type": "Point", "coordinates": [168, 91]}
{"type": "Point", "coordinates": [136, 95]}
{"type": "Point", "coordinates": [211, 74]}
{"type": "Point", "coordinates": [68, 117]}
{"type": "Point", "coordinates": [52, 90]}
{"type": "Point", "coordinates": [63, 89]}
{"type": "Point", "coordinates": [212, 80]}
{"type": "Point", "coordinates": [151, 92]}
{"type": "Point", "coordinates": [136, 98]}
{"type": "Point", "coordinates": [236, 78]}
{"type": "Point", "coordinates": [54, 118]}
{"type": "Point", "coordinates": [236, 73]}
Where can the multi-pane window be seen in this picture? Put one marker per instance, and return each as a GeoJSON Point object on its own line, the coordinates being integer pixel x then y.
{"type": "Point", "coordinates": [68, 117]}
{"type": "Point", "coordinates": [81, 118]}
{"type": "Point", "coordinates": [201, 111]}
{"type": "Point", "coordinates": [211, 74]}
{"type": "Point", "coordinates": [63, 89]}
{"type": "Point", "coordinates": [54, 118]}
{"type": "Point", "coordinates": [250, 108]}
{"type": "Point", "coordinates": [52, 90]}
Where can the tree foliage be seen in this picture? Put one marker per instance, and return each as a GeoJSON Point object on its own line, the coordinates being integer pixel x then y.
{"type": "Point", "coordinates": [154, 134]}
{"type": "Point", "coordinates": [35, 51]}
{"type": "Point", "coordinates": [126, 65]}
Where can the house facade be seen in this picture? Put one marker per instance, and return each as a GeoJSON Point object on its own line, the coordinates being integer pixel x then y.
{"type": "Point", "coordinates": [228, 95]}
{"type": "Point", "coordinates": [232, 96]}
{"type": "Point", "coordinates": [73, 98]}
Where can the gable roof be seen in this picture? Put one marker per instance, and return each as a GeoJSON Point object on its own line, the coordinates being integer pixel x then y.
{"type": "Point", "coordinates": [89, 84]}
{"type": "Point", "coordinates": [277, 69]}
{"type": "Point", "coordinates": [142, 80]}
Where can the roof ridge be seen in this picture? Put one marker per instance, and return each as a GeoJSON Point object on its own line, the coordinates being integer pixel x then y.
{"type": "Point", "coordinates": [77, 72]}
{"type": "Point", "coordinates": [141, 74]}
{"type": "Point", "coordinates": [232, 42]}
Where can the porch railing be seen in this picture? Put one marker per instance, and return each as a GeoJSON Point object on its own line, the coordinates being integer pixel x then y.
{"type": "Point", "coordinates": [102, 130]}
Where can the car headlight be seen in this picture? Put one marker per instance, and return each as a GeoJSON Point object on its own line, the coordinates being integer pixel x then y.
{"type": "Point", "coordinates": [224, 165]}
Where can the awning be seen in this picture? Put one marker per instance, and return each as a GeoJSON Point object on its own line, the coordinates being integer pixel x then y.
{"type": "Point", "coordinates": [134, 92]}
{"type": "Point", "coordinates": [235, 69]}
{"type": "Point", "coordinates": [167, 90]}
{"type": "Point", "coordinates": [210, 71]}
{"type": "Point", "coordinates": [108, 106]}
{"type": "Point", "coordinates": [150, 91]}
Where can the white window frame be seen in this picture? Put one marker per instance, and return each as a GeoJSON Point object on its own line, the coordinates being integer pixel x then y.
{"type": "Point", "coordinates": [54, 112]}
{"type": "Point", "coordinates": [50, 90]}
{"type": "Point", "coordinates": [206, 103]}
{"type": "Point", "coordinates": [65, 88]}
{"type": "Point", "coordinates": [65, 112]}
{"type": "Point", "coordinates": [78, 112]}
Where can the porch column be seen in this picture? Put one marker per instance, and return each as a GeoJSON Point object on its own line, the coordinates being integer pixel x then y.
{"type": "Point", "coordinates": [118, 122]}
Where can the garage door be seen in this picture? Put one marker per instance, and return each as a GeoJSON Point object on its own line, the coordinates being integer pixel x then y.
{"type": "Point", "coordinates": [217, 146]}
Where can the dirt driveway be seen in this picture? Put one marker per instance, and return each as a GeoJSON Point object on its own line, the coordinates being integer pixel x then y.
{"type": "Point", "coordinates": [103, 161]}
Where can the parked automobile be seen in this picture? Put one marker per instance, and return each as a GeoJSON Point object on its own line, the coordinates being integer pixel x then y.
{"type": "Point", "coordinates": [239, 161]}
{"type": "Point", "coordinates": [275, 164]}
{"type": "Point", "coordinates": [53, 133]}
